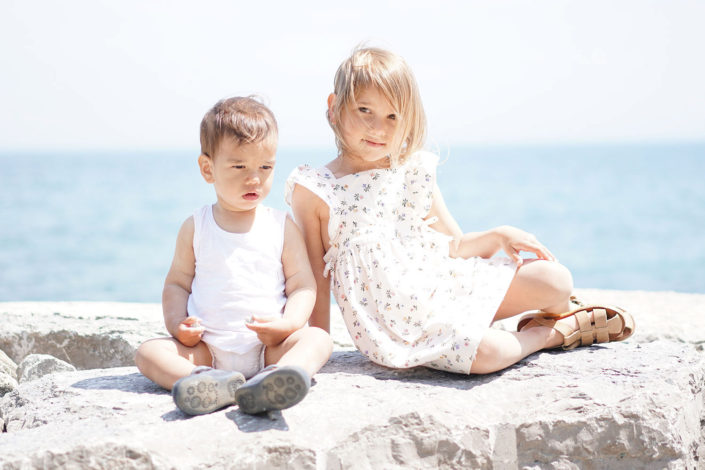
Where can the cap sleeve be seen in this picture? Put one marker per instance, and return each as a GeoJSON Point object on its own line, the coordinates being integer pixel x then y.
{"type": "Point", "coordinates": [309, 178]}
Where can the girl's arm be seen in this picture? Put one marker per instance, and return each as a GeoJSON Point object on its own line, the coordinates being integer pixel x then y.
{"type": "Point", "coordinates": [300, 290]}
{"type": "Point", "coordinates": [311, 213]}
{"type": "Point", "coordinates": [484, 244]}
{"type": "Point", "coordinates": [177, 288]}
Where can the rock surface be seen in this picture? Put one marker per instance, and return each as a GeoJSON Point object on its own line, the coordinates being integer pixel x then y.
{"type": "Point", "coordinates": [7, 365]}
{"type": "Point", "coordinates": [637, 404]}
{"type": "Point", "coordinates": [36, 366]}
{"type": "Point", "coordinates": [7, 383]}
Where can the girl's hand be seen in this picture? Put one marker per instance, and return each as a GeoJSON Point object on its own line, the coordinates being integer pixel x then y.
{"type": "Point", "coordinates": [513, 241]}
{"type": "Point", "coordinates": [189, 331]}
{"type": "Point", "coordinates": [271, 330]}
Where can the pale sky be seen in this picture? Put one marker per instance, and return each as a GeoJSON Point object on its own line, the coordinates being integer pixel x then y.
{"type": "Point", "coordinates": [132, 74]}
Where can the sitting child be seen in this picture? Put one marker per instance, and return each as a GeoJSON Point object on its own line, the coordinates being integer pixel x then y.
{"type": "Point", "coordinates": [240, 289]}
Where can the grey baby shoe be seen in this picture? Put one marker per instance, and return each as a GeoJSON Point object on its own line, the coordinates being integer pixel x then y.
{"type": "Point", "coordinates": [274, 388]}
{"type": "Point", "coordinates": [206, 390]}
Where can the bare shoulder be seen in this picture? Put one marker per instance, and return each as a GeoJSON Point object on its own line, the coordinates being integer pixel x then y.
{"type": "Point", "coordinates": [187, 229]}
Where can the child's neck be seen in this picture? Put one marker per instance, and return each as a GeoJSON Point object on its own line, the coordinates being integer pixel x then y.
{"type": "Point", "coordinates": [234, 221]}
{"type": "Point", "coordinates": [347, 164]}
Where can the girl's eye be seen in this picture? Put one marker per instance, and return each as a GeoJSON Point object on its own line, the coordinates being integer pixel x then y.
{"type": "Point", "coordinates": [363, 109]}
{"type": "Point", "coordinates": [393, 117]}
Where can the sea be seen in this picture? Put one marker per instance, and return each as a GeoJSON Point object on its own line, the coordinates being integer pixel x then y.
{"type": "Point", "coordinates": [101, 225]}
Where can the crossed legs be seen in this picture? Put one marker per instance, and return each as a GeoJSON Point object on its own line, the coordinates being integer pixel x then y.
{"type": "Point", "coordinates": [166, 360]}
{"type": "Point", "coordinates": [537, 285]}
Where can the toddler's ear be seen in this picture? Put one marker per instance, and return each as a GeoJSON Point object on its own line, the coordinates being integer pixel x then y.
{"type": "Point", "coordinates": [205, 163]}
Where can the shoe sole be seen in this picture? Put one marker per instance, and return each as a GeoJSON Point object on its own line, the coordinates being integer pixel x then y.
{"type": "Point", "coordinates": [200, 393]}
{"type": "Point", "coordinates": [280, 389]}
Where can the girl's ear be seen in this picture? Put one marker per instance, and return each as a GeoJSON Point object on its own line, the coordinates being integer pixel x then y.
{"type": "Point", "coordinates": [205, 163]}
{"type": "Point", "coordinates": [329, 113]}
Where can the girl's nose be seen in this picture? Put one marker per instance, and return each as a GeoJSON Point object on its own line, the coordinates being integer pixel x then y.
{"type": "Point", "coordinates": [377, 126]}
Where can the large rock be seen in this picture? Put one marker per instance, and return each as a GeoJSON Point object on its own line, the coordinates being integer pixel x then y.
{"type": "Point", "coordinates": [88, 335]}
{"type": "Point", "coordinates": [637, 404]}
{"type": "Point", "coordinates": [36, 366]}
{"type": "Point", "coordinates": [7, 365]}
{"type": "Point", "coordinates": [7, 383]}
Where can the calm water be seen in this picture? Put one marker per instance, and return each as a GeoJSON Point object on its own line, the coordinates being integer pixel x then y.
{"type": "Point", "coordinates": [102, 226]}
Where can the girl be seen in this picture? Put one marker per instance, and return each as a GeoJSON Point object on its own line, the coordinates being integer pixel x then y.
{"type": "Point", "coordinates": [412, 288]}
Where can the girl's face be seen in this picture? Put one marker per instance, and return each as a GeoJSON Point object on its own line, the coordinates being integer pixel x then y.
{"type": "Point", "coordinates": [370, 127]}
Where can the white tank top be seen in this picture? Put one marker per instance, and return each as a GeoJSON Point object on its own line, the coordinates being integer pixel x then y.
{"type": "Point", "coordinates": [237, 275]}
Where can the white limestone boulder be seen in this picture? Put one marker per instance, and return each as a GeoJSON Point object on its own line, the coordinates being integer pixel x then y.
{"type": "Point", "coordinates": [7, 365]}
{"type": "Point", "coordinates": [36, 366]}
{"type": "Point", "coordinates": [636, 404]}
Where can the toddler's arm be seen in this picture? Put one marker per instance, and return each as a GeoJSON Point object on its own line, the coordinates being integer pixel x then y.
{"type": "Point", "coordinates": [177, 288]}
{"type": "Point", "coordinates": [311, 213]}
{"type": "Point", "coordinates": [300, 291]}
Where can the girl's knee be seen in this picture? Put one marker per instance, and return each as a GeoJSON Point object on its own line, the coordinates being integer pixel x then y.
{"type": "Point", "coordinates": [561, 279]}
{"type": "Point", "coordinates": [483, 363]}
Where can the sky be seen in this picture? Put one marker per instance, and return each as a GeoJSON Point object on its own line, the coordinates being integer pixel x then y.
{"type": "Point", "coordinates": [140, 74]}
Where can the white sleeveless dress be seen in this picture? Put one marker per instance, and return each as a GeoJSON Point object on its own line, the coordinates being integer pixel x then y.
{"type": "Point", "coordinates": [404, 300]}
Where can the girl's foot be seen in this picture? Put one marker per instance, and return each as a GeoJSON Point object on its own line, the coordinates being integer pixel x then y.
{"type": "Point", "coordinates": [274, 388]}
{"type": "Point", "coordinates": [206, 390]}
{"type": "Point", "coordinates": [583, 326]}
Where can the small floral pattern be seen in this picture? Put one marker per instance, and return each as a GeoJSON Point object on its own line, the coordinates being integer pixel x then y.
{"type": "Point", "coordinates": [404, 300]}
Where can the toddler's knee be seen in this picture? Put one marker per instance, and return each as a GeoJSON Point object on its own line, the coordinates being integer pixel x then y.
{"type": "Point", "coordinates": [320, 338]}
{"type": "Point", "coordinates": [143, 353]}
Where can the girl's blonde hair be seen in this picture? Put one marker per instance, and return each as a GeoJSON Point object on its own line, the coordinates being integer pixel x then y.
{"type": "Point", "coordinates": [388, 73]}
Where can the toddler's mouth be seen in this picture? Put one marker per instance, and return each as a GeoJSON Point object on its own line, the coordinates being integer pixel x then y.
{"type": "Point", "coordinates": [250, 196]}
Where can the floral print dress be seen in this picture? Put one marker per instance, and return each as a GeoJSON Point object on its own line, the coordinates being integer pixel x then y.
{"type": "Point", "coordinates": [404, 300]}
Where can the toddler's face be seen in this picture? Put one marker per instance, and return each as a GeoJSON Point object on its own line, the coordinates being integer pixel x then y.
{"type": "Point", "coordinates": [243, 173]}
{"type": "Point", "coordinates": [370, 128]}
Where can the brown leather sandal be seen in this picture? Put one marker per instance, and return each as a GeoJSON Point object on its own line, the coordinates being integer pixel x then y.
{"type": "Point", "coordinates": [608, 324]}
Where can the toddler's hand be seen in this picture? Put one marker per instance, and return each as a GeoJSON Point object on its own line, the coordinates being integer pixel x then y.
{"type": "Point", "coordinates": [190, 331]}
{"type": "Point", "coordinates": [270, 330]}
{"type": "Point", "coordinates": [513, 241]}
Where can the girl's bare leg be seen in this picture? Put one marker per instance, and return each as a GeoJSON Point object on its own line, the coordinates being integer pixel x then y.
{"type": "Point", "coordinates": [537, 285]}
{"type": "Point", "coordinates": [309, 347]}
{"type": "Point", "coordinates": [166, 360]}
{"type": "Point", "coordinates": [500, 349]}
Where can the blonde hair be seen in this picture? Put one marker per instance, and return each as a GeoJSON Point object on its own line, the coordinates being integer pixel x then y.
{"type": "Point", "coordinates": [388, 73]}
{"type": "Point", "coordinates": [243, 119]}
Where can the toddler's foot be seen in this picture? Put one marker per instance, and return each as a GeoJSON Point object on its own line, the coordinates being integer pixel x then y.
{"type": "Point", "coordinates": [274, 388]}
{"type": "Point", "coordinates": [206, 390]}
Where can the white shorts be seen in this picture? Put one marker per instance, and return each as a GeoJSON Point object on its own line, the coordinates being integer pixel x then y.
{"type": "Point", "coordinates": [248, 363]}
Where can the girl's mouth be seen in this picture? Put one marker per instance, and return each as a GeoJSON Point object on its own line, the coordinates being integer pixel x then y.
{"type": "Point", "coordinates": [372, 143]}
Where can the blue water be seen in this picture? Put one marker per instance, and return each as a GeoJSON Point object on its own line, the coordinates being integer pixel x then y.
{"type": "Point", "coordinates": [102, 226]}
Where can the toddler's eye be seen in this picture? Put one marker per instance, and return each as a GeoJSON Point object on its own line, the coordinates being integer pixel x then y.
{"type": "Point", "coordinates": [267, 167]}
{"type": "Point", "coordinates": [239, 167]}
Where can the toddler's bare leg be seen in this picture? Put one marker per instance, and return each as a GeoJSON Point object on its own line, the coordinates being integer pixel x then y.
{"type": "Point", "coordinates": [537, 285]}
{"type": "Point", "coordinates": [166, 360]}
{"type": "Point", "coordinates": [309, 348]}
